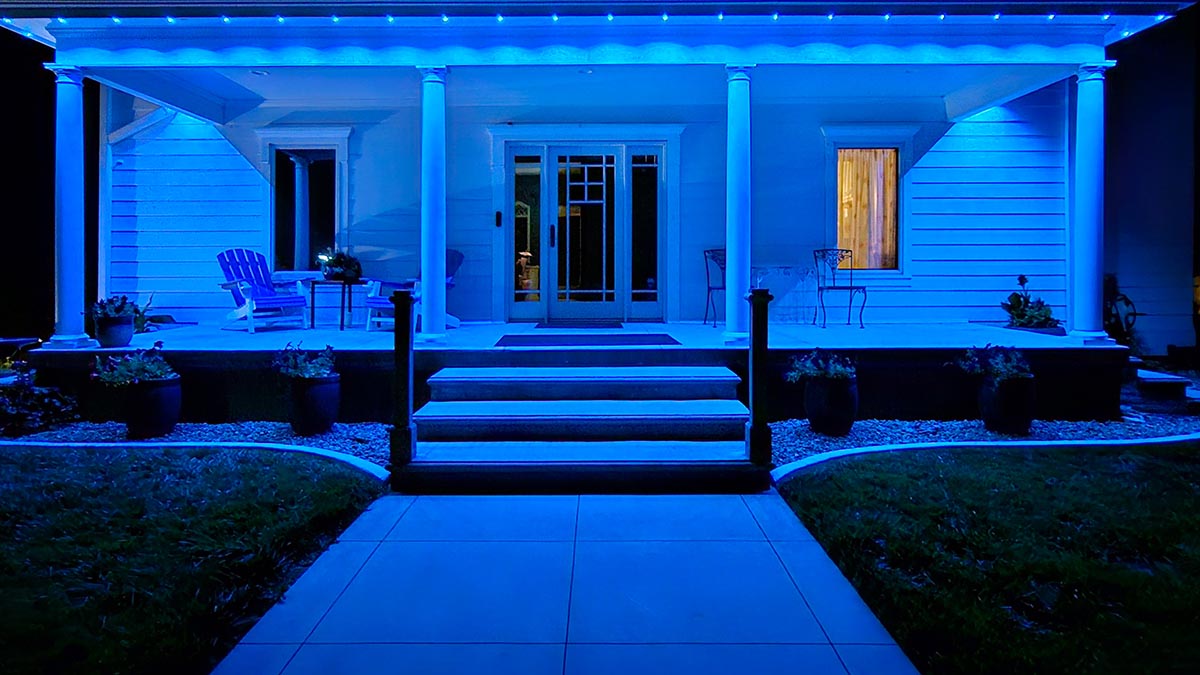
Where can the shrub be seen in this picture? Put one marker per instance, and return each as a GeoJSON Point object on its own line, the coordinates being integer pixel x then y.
{"type": "Point", "coordinates": [111, 308]}
{"type": "Point", "coordinates": [292, 361]}
{"type": "Point", "coordinates": [26, 409]}
{"type": "Point", "coordinates": [821, 363]}
{"type": "Point", "coordinates": [339, 265]}
{"type": "Point", "coordinates": [144, 364]}
{"type": "Point", "coordinates": [996, 363]}
{"type": "Point", "coordinates": [1026, 311]}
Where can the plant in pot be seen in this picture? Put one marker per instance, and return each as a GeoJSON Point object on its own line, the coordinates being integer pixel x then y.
{"type": "Point", "coordinates": [1006, 387]}
{"type": "Point", "coordinates": [1028, 312]}
{"type": "Point", "coordinates": [830, 391]}
{"type": "Point", "coordinates": [153, 396]}
{"type": "Point", "coordinates": [113, 319]}
{"type": "Point", "coordinates": [315, 388]}
{"type": "Point", "coordinates": [339, 265]}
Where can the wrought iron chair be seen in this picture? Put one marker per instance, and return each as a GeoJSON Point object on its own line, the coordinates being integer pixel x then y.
{"type": "Point", "coordinates": [714, 272]}
{"type": "Point", "coordinates": [828, 262]}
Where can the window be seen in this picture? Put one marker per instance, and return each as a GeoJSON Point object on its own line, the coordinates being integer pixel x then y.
{"type": "Point", "coordinates": [868, 194]}
{"type": "Point", "coordinates": [304, 207]}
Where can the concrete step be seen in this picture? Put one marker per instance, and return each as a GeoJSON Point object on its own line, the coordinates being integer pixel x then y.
{"type": "Point", "coordinates": [1162, 386]}
{"type": "Point", "coordinates": [584, 383]}
{"type": "Point", "coordinates": [581, 420]}
{"type": "Point", "coordinates": [575, 452]}
{"type": "Point", "coordinates": [573, 467]}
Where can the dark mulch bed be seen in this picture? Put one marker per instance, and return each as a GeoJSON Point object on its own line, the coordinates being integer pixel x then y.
{"type": "Point", "coordinates": [1003, 561]}
{"type": "Point", "coordinates": [150, 560]}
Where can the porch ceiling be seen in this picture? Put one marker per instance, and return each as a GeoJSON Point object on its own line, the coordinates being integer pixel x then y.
{"type": "Point", "coordinates": [221, 95]}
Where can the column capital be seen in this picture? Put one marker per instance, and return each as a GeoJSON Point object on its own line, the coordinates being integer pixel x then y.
{"type": "Point", "coordinates": [298, 160]}
{"type": "Point", "coordinates": [740, 71]}
{"type": "Point", "coordinates": [1093, 71]}
{"type": "Point", "coordinates": [64, 74]}
{"type": "Point", "coordinates": [432, 74]}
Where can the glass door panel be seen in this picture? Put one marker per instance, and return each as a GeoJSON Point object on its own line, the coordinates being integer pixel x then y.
{"type": "Point", "coordinates": [646, 215]}
{"type": "Point", "coordinates": [585, 236]}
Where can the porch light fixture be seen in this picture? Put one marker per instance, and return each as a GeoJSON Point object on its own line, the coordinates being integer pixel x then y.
{"type": "Point", "coordinates": [665, 17]}
{"type": "Point", "coordinates": [445, 19]}
{"type": "Point", "coordinates": [775, 16]}
{"type": "Point", "coordinates": [1160, 17]}
{"type": "Point", "coordinates": [115, 19]}
{"type": "Point", "coordinates": [278, 18]}
{"type": "Point", "coordinates": [1106, 17]}
{"type": "Point", "coordinates": [390, 18]}
{"type": "Point", "coordinates": [224, 19]}
{"type": "Point", "coordinates": [610, 17]}
{"type": "Point", "coordinates": [499, 18]}
{"type": "Point", "coordinates": [1125, 34]}
{"type": "Point", "coordinates": [553, 17]}
{"type": "Point", "coordinates": [60, 19]}
{"type": "Point", "coordinates": [941, 17]}
{"type": "Point", "coordinates": [887, 17]}
{"type": "Point", "coordinates": [720, 16]}
{"type": "Point", "coordinates": [1050, 17]}
{"type": "Point", "coordinates": [334, 18]}
{"type": "Point", "coordinates": [170, 19]}
{"type": "Point", "coordinates": [829, 17]}
{"type": "Point", "coordinates": [996, 16]}
{"type": "Point", "coordinates": [8, 20]}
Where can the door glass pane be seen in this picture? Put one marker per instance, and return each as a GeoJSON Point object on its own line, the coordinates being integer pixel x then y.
{"type": "Point", "coordinates": [527, 202]}
{"type": "Point", "coordinates": [586, 228]}
{"type": "Point", "coordinates": [644, 235]}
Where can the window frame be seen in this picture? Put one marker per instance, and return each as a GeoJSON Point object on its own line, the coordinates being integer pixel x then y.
{"type": "Point", "coordinates": [336, 138]}
{"type": "Point", "coordinates": [871, 136]}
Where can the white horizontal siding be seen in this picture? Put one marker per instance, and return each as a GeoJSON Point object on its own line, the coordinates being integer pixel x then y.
{"type": "Point", "coordinates": [987, 203]}
{"type": "Point", "coordinates": [181, 193]}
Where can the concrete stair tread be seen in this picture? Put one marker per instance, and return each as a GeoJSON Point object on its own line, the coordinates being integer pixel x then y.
{"type": "Point", "coordinates": [639, 373]}
{"type": "Point", "coordinates": [1162, 378]}
{"type": "Point", "coordinates": [573, 452]}
{"type": "Point", "coordinates": [581, 409]}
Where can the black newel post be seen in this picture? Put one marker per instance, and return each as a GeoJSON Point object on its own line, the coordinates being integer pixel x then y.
{"type": "Point", "coordinates": [758, 432]}
{"type": "Point", "coordinates": [403, 433]}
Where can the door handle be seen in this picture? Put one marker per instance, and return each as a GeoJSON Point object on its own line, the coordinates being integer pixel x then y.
{"type": "Point", "coordinates": [499, 219]}
{"type": "Point", "coordinates": [553, 232]}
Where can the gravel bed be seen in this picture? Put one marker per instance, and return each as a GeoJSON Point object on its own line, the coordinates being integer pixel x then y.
{"type": "Point", "coordinates": [793, 439]}
{"type": "Point", "coordinates": [366, 440]}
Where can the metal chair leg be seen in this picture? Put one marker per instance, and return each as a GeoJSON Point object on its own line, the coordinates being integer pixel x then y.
{"type": "Point", "coordinates": [821, 303]}
{"type": "Point", "coordinates": [707, 304]}
{"type": "Point", "coordinates": [861, 308]}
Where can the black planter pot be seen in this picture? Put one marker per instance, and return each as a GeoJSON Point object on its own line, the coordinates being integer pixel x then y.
{"type": "Point", "coordinates": [831, 404]}
{"type": "Point", "coordinates": [1007, 406]}
{"type": "Point", "coordinates": [152, 408]}
{"type": "Point", "coordinates": [114, 331]}
{"type": "Point", "coordinates": [315, 402]}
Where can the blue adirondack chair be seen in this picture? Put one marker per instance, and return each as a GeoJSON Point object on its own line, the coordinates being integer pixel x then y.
{"type": "Point", "coordinates": [379, 293]}
{"type": "Point", "coordinates": [257, 296]}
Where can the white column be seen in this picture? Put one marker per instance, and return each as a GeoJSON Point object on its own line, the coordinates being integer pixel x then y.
{"type": "Point", "coordinates": [69, 273]}
{"type": "Point", "coordinates": [737, 204]}
{"type": "Point", "coordinates": [1087, 212]}
{"type": "Point", "coordinates": [433, 202]}
{"type": "Point", "coordinates": [302, 256]}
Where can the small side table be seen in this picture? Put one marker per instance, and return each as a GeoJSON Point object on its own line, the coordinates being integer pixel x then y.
{"type": "Point", "coordinates": [347, 299]}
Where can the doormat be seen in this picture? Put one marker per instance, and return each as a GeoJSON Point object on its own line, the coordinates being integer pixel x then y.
{"type": "Point", "coordinates": [580, 324]}
{"type": "Point", "coordinates": [593, 340]}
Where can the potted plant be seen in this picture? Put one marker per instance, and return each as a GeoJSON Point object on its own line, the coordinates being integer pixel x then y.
{"type": "Point", "coordinates": [153, 396]}
{"type": "Point", "coordinates": [1030, 313]}
{"type": "Point", "coordinates": [1006, 387]}
{"type": "Point", "coordinates": [113, 319]}
{"type": "Point", "coordinates": [830, 391]}
{"type": "Point", "coordinates": [316, 388]}
{"type": "Point", "coordinates": [339, 265]}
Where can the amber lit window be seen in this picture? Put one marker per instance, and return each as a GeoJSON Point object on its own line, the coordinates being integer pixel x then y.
{"type": "Point", "coordinates": [867, 204]}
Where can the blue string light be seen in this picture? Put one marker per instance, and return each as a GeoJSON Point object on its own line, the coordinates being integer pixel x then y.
{"type": "Point", "coordinates": [335, 18]}
{"type": "Point", "coordinates": [887, 17]}
{"type": "Point", "coordinates": [720, 16]}
{"type": "Point", "coordinates": [1106, 17]}
{"type": "Point", "coordinates": [499, 18]}
{"type": "Point", "coordinates": [665, 17]}
{"type": "Point", "coordinates": [279, 18]}
{"type": "Point", "coordinates": [554, 18]}
{"type": "Point", "coordinates": [116, 19]}
{"type": "Point", "coordinates": [941, 17]}
{"type": "Point", "coordinates": [829, 17]}
{"type": "Point", "coordinates": [775, 16]}
{"type": "Point", "coordinates": [60, 20]}
{"type": "Point", "coordinates": [445, 18]}
{"type": "Point", "coordinates": [996, 16]}
{"type": "Point", "coordinates": [170, 19]}
{"type": "Point", "coordinates": [1050, 17]}
{"type": "Point", "coordinates": [610, 17]}
{"type": "Point", "coordinates": [390, 18]}
{"type": "Point", "coordinates": [224, 19]}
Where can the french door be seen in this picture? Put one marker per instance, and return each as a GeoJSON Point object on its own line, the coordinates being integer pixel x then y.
{"type": "Point", "coordinates": [586, 230]}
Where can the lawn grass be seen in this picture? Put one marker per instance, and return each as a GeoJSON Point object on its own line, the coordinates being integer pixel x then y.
{"type": "Point", "coordinates": [1012, 561]}
{"type": "Point", "coordinates": [155, 560]}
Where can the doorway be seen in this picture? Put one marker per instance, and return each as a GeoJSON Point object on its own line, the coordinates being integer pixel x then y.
{"type": "Point", "coordinates": [585, 231]}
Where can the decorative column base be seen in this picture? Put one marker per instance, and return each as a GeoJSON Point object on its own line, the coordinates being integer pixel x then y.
{"type": "Point", "coordinates": [1091, 337]}
{"type": "Point", "coordinates": [70, 342]}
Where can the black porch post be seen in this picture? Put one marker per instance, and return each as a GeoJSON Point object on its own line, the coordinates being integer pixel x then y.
{"type": "Point", "coordinates": [758, 432]}
{"type": "Point", "coordinates": [403, 434]}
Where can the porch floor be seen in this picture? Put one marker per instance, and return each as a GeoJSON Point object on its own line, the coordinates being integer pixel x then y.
{"type": "Point", "coordinates": [483, 337]}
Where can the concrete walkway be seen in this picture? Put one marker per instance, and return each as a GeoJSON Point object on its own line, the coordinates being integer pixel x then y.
{"type": "Point", "coordinates": [575, 585]}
